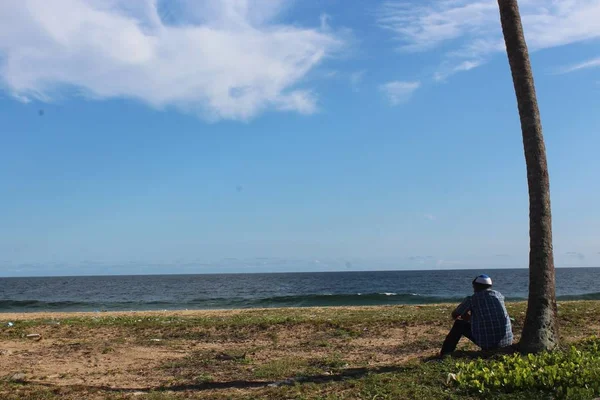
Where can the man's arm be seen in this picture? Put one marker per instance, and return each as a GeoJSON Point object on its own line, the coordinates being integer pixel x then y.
{"type": "Point", "coordinates": [462, 309]}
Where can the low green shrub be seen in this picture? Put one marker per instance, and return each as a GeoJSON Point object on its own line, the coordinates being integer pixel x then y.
{"type": "Point", "coordinates": [571, 374]}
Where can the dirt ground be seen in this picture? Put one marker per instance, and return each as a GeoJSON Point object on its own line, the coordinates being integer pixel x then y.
{"type": "Point", "coordinates": [119, 358]}
{"type": "Point", "coordinates": [145, 352]}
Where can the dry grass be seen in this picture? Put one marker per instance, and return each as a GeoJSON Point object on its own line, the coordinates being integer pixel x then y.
{"type": "Point", "coordinates": [348, 352]}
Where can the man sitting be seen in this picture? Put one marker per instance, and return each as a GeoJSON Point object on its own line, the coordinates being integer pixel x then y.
{"type": "Point", "coordinates": [481, 318]}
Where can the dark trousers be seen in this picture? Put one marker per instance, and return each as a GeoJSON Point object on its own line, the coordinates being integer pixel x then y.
{"type": "Point", "coordinates": [459, 329]}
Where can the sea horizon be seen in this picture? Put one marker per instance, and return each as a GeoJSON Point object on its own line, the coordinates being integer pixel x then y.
{"type": "Point", "coordinates": [292, 272]}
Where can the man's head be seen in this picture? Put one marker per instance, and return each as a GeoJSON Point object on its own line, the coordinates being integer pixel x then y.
{"type": "Point", "coordinates": [482, 282]}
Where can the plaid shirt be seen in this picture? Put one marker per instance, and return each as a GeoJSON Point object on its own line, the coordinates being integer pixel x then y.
{"type": "Point", "coordinates": [490, 323]}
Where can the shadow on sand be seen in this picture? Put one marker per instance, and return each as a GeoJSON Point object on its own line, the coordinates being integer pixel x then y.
{"type": "Point", "coordinates": [349, 373]}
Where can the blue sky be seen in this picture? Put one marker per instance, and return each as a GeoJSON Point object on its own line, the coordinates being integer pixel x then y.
{"type": "Point", "coordinates": [177, 136]}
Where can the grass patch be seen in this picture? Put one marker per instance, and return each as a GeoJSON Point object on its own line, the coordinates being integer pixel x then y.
{"type": "Point", "coordinates": [333, 362]}
{"type": "Point", "coordinates": [572, 373]}
{"type": "Point", "coordinates": [191, 362]}
{"type": "Point", "coordinates": [340, 322]}
{"type": "Point", "coordinates": [204, 378]}
{"type": "Point", "coordinates": [413, 381]}
{"type": "Point", "coordinates": [421, 344]}
{"type": "Point", "coordinates": [281, 368]}
{"type": "Point", "coordinates": [107, 350]}
{"type": "Point", "coordinates": [321, 343]}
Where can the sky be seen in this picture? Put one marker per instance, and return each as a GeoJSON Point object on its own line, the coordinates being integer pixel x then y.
{"type": "Point", "coordinates": [183, 136]}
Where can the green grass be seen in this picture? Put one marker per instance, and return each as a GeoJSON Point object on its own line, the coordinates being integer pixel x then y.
{"type": "Point", "coordinates": [412, 381]}
{"type": "Point", "coordinates": [281, 368]}
{"type": "Point", "coordinates": [341, 322]}
{"type": "Point", "coordinates": [260, 319]}
{"type": "Point", "coordinates": [572, 373]}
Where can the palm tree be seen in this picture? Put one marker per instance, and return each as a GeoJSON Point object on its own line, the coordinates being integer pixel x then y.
{"type": "Point", "coordinates": [540, 331]}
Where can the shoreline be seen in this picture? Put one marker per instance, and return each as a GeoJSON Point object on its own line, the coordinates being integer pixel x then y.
{"type": "Point", "coordinates": [224, 312]}
{"type": "Point", "coordinates": [11, 307]}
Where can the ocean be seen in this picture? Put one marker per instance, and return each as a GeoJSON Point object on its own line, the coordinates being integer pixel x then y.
{"type": "Point", "coordinates": [223, 291]}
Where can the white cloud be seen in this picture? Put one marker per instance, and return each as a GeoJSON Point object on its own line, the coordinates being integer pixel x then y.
{"type": "Point", "coordinates": [398, 92]}
{"type": "Point", "coordinates": [469, 30]}
{"type": "Point", "coordinates": [467, 65]}
{"type": "Point", "coordinates": [447, 70]}
{"type": "Point", "coordinates": [221, 59]}
{"type": "Point", "coordinates": [593, 63]}
{"type": "Point", "coordinates": [425, 25]}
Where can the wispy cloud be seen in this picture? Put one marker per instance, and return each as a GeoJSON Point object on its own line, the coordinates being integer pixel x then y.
{"type": "Point", "coordinates": [421, 259]}
{"type": "Point", "coordinates": [325, 18]}
{"type": "Point", "coordinates": [430, 217]}
{"type": "Point", "coordinates": [220, 59]}
{"type": "Point", "coordinates": [469, 30]}
{"type": "Point", "coordinates": [577, 255]}
{"type": "Point", "coordinates": [356, 79]}
{"type": "Point", "coordinates": [593, 63]}
{"type": "Point", "coordinates": [448, 263]}
{"type": "Point", "coordinates": [425, 25]}
{"type": "Point", "coordinates": [398, 92]}
{"type": "Point", "coordinates": [449, 69]}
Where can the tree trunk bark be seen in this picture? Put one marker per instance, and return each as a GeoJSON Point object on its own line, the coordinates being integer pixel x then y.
{"type": "Point", "coordinates": [540, 331]}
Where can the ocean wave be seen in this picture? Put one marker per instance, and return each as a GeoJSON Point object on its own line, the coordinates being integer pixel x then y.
{"type": "Point", "coordinates": [312, 300]}
{"type": "Point", "coordinates": [38, 305]}
{"type": "Point", "coordinates": [585, 296]}
{"type": "Point", "coordinates": [348, 300]}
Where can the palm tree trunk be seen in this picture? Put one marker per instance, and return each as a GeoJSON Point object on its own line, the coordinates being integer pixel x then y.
{"type": "Point", "coordinates": [540, 331]}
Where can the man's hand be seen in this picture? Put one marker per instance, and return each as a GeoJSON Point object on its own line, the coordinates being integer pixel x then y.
{"type": "Point", "coordinates": [465, 317]}
{"type": "Point", "coordinates": [462, 310]}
